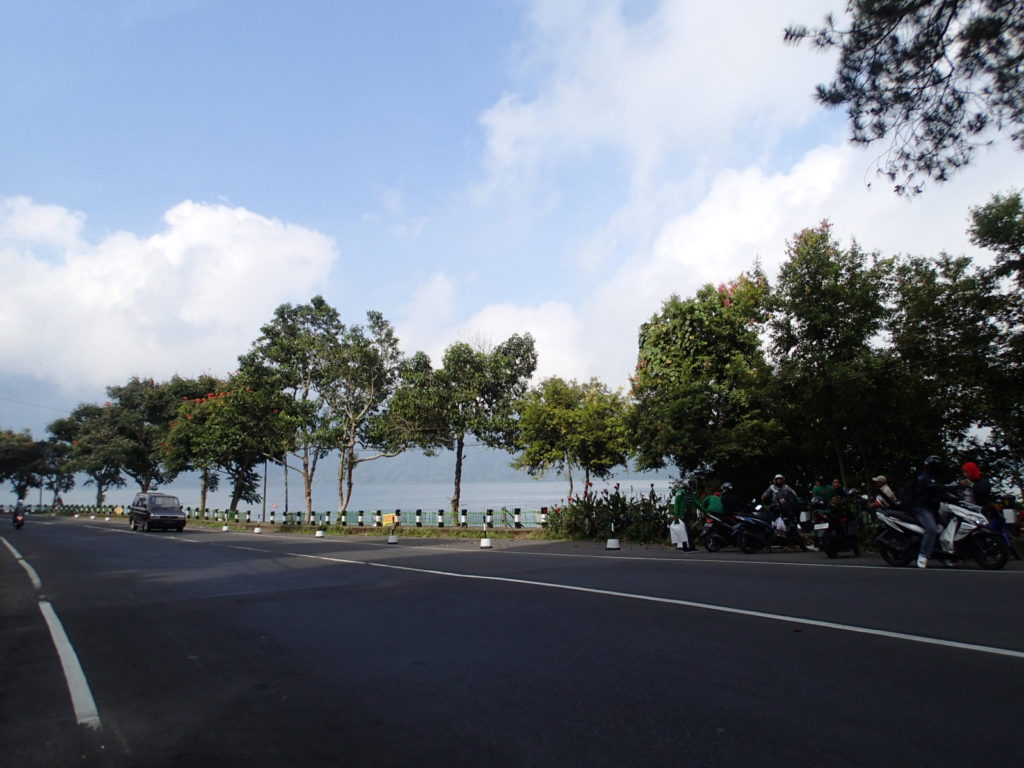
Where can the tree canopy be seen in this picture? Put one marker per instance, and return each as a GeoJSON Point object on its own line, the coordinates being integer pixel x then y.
{"type": "Point", "coordinates": [930, 79]}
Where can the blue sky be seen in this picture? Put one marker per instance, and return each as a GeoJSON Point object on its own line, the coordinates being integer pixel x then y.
{"type": "Point", "coordinates": [172, 171]}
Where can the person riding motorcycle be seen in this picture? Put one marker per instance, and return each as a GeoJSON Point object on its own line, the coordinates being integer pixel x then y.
{"type": "Point", "coordinates": [782, 496]}
{"type": "Point", "coordinates": [927, 497]}
{"type": "Point", "coordinates": [885, 497]}
{"type": "Point", "coordinates": [731, 504]}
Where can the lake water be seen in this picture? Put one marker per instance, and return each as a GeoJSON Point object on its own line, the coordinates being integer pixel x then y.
{"type": "Point", "coordinates": [527, 495]}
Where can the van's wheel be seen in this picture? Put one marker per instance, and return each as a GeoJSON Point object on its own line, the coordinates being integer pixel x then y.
{"type": "Point", "coordinates": [147, 527]}
{"type": "Point", "coordinates": [131, 524]}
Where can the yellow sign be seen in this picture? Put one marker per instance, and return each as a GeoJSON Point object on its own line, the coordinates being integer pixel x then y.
{"type": "Point", "coordinates": [391, 519]}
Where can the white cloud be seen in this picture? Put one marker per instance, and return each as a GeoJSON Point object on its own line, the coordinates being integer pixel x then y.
{"type": "Point", "coordinates": [188, 299]}
{"type": "Point", "coordinates": [694, 78]}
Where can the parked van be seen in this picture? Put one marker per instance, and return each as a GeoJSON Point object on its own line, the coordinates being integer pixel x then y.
{"type": "Point", "coordinates": [156, 510]}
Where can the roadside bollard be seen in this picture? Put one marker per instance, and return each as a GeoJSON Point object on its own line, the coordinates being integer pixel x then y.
{"type": "Point", "coordinates": [360, 518]}
{"type": "Point", "coordinates": [486, 543]}
{"type": "Point", "coordinates": [489, 519]}
{"type": "Point", "coordinates": [419, 518]}
{"type": "Point", "coordinates": [543, 517]}
{"type": "Point", "coordinates": [462, 519]}
{"type": "Point", "coordinates": [440, 518]}
{"type": "Point", "coordinates": [377, 519]}
{"type": "Point", "coordinates": [517, 518]}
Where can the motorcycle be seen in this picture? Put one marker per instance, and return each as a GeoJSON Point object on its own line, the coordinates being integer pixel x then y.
{"type": "Point", "coordinates": [964, 533]}
{"type": "Point", "coordinates": [837, 525]}
{"type": "Point", "coordinates": [19, 519]}
{"type": "Point", "coordinates": [719, 531]}
{"type": "Point", "coordinates": [766, 527]}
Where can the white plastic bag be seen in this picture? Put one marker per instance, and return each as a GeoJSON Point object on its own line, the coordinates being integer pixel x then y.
{"type": "Point", "coordinates": [678, 533]}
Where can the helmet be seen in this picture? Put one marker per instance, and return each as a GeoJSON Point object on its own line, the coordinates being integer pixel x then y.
{"type": "Point", "coordinates": [779, 477]}
{"type": "Point", "coordinates": [933, 464]}
{"type": "Point", "coordinates": [687, 484]}
{"type": "Point", "coordinates": [726, 486]}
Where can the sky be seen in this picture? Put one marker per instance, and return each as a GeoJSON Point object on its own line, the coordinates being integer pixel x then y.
{"type": "Point", "coordinates": [171, 171]}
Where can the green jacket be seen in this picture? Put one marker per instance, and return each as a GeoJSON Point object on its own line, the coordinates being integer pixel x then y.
{"type": "Point", "coordinates": [684, 505]}
{"type": "Point", "coordinates": [712, 504]}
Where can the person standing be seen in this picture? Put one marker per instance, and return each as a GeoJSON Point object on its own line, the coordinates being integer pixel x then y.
{"type": "Point", "coordinates": [684, 509]}
{"type": "Point", "coordinates": [927, 497]}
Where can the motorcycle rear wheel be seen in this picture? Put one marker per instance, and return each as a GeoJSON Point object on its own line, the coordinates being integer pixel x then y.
{"type": "Point", "coordinates": [750, 544]}
{"type": "Point", "coordinates": [989, 552]}
{"type": "Point", "coordinates": [712, 542]}
{"type": "Point", "coordinates": [892, 557]}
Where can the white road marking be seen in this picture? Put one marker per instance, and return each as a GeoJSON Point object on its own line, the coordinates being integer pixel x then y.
{"type": "Point", "coordinates": [684, 603]}
{"type": "Point", "coordinates": [24, 564]}
{"type": "Point", "coordinates": [690, 604]}
{"type": "Point", "coordinates": [78, 687]}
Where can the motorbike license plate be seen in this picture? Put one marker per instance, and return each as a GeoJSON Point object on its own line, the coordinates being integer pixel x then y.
{"type": "Point", "coordinates": [820, 526]}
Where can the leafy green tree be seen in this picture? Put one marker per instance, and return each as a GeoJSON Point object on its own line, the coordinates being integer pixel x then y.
{"type": "Point", "coordinates": [293, 355]}
{"type": "Point", "coordinates": [232, 430]}
{"type": "Point", "coordinates": [827, 307]}
{"type": "Point", "coordinates": [999, 226]}
{"type": "Point", "coordinates": [931, 79]}
{"type": "Point", "coordinates": [475, 392]}
{"type": "Point", "coordinates": [567, 425]}
{"type": "Point", "coordinates": [97, 449]}
{"type": "Point", "coordinates": [22, 461]}
{"type": "Point", "coordinates": [700, 387]}
{"type": "Point", "coordinates": [57, 472]}
{"type": "Point", "coordinates": [361, 373]}
{"type": "Point", "coordinates": [945, 331]}
{"type": "Point", "coordinates": [142, 413]}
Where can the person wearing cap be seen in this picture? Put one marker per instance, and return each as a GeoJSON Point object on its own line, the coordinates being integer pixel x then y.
{"type": "Point", "coordinates": [885, 497]}
{"type": "Point", "coordinates": [977, 488]}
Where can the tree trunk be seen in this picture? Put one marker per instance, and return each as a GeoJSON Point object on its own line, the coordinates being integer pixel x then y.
{"type": "Point", "coordinates": [568, 471]}
{"type": "Point", "coordinates": [202, 491]}
{"type": "Point", "coordinates": [460, 443]}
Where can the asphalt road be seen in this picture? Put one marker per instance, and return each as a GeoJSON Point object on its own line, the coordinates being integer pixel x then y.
{"type": "Point", "coordinates": [227, 649]}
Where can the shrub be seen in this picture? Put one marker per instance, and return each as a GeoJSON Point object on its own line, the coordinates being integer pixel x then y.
{"type": "Point", "coordinates": [642, 518]}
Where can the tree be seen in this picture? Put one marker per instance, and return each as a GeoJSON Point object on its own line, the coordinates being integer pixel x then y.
{"type": "Point", "coordinates": [933, 79]}
{"type": "Point", "coordinates": [22, 461]}
{"type": "Point", "coordinates": [232, 430]}
{"type": "Point", "coordinates": [292, 355]}
{"type": "Point", "coordinates": [475, 392]}
{"type": "Point", "coordinates": [57, 472]}
{"type": "Point", "coordinates": [566, 425]}
{"type": "Point", "coordinates": [999, 226]}
{"type": "Point", "coordinates": [360, 373]}
{"type": "Point", "coordinates": [142, 411]}
{"type": "Point", "coordinates": [97, 447]}
{"type": "Point", "coordinates": [700, 386]}
{"type": "Point", "coordinates": [826, 310]}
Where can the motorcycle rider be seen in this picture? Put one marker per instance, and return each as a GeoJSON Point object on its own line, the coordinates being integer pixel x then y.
{"type": "Point", "coordinates": [731, 504]}
{"type": "Point", "coordinates": [927, 497]}
{"type": "Point", "coordinates": [978, 490]}
{"type": "Point", "coordinates": [885, 497]}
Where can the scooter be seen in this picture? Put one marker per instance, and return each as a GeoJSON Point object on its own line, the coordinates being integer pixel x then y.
{"type": "Point", "coordinates": [765, 527]}
{"type": "Point", "coordinates": [19, 519]}
{"type": "Point", "coordinates": [719, 531]}
{"type": "Point", "coordinates": [964, 533]}
{"type": "Point", "coordinates": [837, 526]}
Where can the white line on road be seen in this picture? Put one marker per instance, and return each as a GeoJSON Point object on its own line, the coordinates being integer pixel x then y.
{"type": "Point", "coordinates": [690, 604]}
{"type": "Point", "coordinates": [81, 697]}
{"type": "Point", "coordinates": [24, 564]}
{"type": "Point", "coordinates": [78, 687]}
